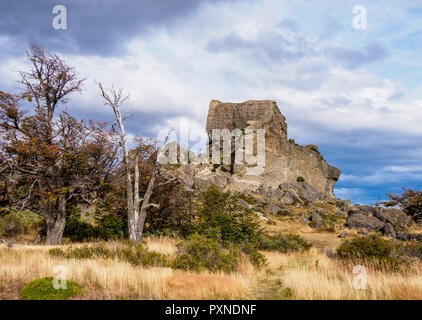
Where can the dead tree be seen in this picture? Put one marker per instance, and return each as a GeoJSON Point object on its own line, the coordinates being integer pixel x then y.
{"type": "Point", "coordinates": [114, 98]}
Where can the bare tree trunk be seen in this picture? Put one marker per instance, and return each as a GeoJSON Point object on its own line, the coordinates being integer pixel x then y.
{"type": "Point", "coordinates": [146, 201]}
{"type": "Point", "coordinates": [56, 222]}
{"type": "Point", "coordinates": [130, 205]}
{"type": "Point", "coordinates": [114, 99]}
{"type": "Point", "coordinates": [146, 204]}
{"type": "Point", "coordinates": [136, 201]}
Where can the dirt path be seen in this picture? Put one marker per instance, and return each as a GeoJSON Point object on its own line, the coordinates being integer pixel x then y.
{"type": "Point", "coordinates": [322, 240]}
{"type": "Point", "coordinates": [270, 283]}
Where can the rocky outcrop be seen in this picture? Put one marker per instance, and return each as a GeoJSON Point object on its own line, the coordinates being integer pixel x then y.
{"type": "Point", "coordinates": [292, 172]}
{"type": "Point", "coordinates": [359, 220]}
{"type": "Point", "coordinates": [378, 218]}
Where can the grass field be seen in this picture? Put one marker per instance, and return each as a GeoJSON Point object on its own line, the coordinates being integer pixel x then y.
{"type": "Point", "coordinates": [309, 275]}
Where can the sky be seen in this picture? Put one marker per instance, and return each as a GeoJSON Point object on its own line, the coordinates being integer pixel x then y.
{"type": "Point", "coordinates": [354, 92]}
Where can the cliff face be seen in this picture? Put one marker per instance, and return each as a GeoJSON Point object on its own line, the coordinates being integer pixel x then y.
{"type": "Point", "coordinates": [286, 162]}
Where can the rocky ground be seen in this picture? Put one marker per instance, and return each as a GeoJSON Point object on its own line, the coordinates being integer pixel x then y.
{"type": "Point", "coordinates": [301, 212]}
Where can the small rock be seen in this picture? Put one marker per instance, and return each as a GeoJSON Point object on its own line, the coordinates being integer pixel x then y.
{"type": "Point", "coordinates": [317, 221]}
{"type": "Point", "coordinates": [388, 230]}
{"type": "Point", "coordinates": [409, 236]}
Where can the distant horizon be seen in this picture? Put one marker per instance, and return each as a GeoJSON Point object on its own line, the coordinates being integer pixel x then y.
{"type": "Point", "coordinates": [351, 88]}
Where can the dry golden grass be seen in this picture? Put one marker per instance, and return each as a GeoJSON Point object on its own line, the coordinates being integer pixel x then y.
{"type": "Point", "coordinates": [111, 279]}
{"type": "Point", "coordinates": [313, 275]}
{"type": "Point", "coordinates": [162, 245]}
{"type": "Point", "coordinates": [308, 275]}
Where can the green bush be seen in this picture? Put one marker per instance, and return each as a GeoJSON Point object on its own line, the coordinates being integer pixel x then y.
{"type": "Point", "coordinates": [285, 243]}
{"type": "Point", "coordinates": [107, 226]}
{"type": "Point", "coordinates": [78, 230]}
{"type": "Point", "coordinates": [300, 179]}
{"type": "Point", "coordinates": [220, 214]}
{"type": "Point", "coordinates": [199, 252]}
{"type": "Point", "coordinates": [42, 289]}
{"type": "Point", "coordinates": [111, 227]}
{"type": "Point", "coordinates": [255, 257]}
{"type": "Point", "coordinates": [380, 253]}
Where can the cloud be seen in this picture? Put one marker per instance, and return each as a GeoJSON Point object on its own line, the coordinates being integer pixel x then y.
{"type": "Point", "coordinates": [100, 27]}
{"type": "Point", "coordinates": [355, 58]}
{"type": "Point", "coordinates": [388, 174]}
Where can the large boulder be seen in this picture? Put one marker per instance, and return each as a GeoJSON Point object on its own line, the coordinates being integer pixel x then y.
{"type": "Point", "coordinates": [361, 221]}
{"type": "Point", "coordinates": [388, 230]}
{"type": "Point", "coordinates": [316, 220]}
{"type": "Point", "coordinates": [393, 216]}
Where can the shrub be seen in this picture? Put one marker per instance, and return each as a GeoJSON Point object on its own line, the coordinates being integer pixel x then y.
{"type": "Point", "coordinates": [78, 230]}
{"type": "Point", "coordinates": [108, 226]}
{"type": "Point", "coordinates": [199, 252]}
{"type": "Point", "coordinates": [42, 289]}
{"type": "Point", "coordinates": [220, 214]}
{"type": "Point", "coordinates": [111, 227]}
{"type": "Point", "coordinates": [255, 257]}
{"type": "Point", "coordinates": [286, 243]}
{"type": "Point", "coordinates": [300, 179]}
{"type": "Point", "coordinates": [381, 253]}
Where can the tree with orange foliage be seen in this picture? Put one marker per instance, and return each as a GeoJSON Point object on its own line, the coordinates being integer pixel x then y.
{"type": "Point", "coordinates": [49, 157]}
{"type": "Point", "coordinates": [410, 201]}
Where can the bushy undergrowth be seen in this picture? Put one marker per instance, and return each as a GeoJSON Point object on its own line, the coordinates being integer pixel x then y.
{"type": "Point", "coordinates": [222, 222]}
{"type": "Point", "coordinates": [222, 219]}
{"type": "Point", "coordinates": [219, 213]}
{"type": "Point", "coordinates": [135, 254]}
{"type": "Point", "coordinates": [412, 249]}
{"type": "Point", "coordinates": [43, 289]}
{"type": "Point", "coordinates": [106, 227]}
{"type": "Point", "coordinates": [222, 234]}
{"type": "Point", "coordinates": [78, 230]}
{"type": "Point", "coordinates": [199, 252]}
{"type": "Point", "coordinates": [13, 223]}
{"type": "Point", "coordinates": [376, 251]}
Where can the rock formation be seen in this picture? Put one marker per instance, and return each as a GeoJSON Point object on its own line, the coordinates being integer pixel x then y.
{"type": "Point", "coordinates": [292, 173]}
